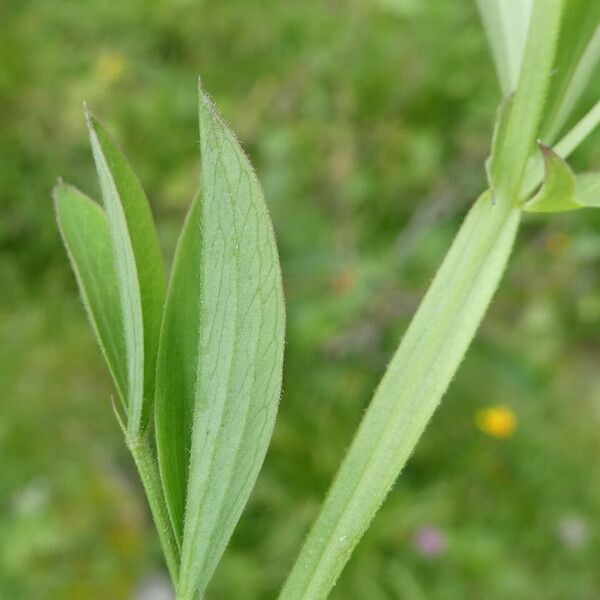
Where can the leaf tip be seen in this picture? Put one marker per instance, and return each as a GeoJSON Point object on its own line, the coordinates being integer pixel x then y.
{"type": "Point", "coordinates": [544, 149]}
{"type": "Point", "coordinates": [59, 183]}
{"type": "Point", "coordinates": [90, 118]}
{"type": "Point", "coordinates": [203, 97]}
{"type": "Point", "coordinates": [58, 187]}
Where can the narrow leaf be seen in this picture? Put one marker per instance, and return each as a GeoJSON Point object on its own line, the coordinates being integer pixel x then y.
{"type": "Point", "coordinates": [139, 266]}
{"type": "Point", "coordinates": [581, 78]}
{"type": "Point", "coordinates": [84, 231]}
{"type": "Point", "coordinates": [409, 392]}
{"type": "Point", "coordinates": [509, 161]}
{"type": "Point", "coordinates": [505, 23]}
{"type": "Point", "coordinates": [240, 350]}
{"type": "Point", "coordinates": [177, 367]}
{"type": "Point", "coordinates": [577, 57]}
{"type": "Point", "coordinates": [580, 131]}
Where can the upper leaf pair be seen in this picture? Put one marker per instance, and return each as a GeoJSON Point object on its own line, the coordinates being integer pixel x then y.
{"type": "Point", "coordinates": [210, 355]}
{"type": "Point", "coordinates": [115, 255]}
{"type": "Point", "coordinates": [564, 39]}
{"type": "Point", "coordinates": [577, 54]}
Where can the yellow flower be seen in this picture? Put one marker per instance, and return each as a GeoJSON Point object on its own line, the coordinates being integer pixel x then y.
{"type": "Point", "coordinates": [497, 421]}
{"type": "Point", "coordinates": [110, 67]}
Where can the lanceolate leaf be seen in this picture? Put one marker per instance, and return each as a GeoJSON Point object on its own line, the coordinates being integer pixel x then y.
{"type": "Point", "coordinates": [84, 230]}
{"type": "Point", "coordinates": [177, 367]}
{"type": "Point", "coordinates": [239, 354]}
{"type": "Point", "coordinates": [139, 266]}
{"type": "Point", "coordinates": [506, 23]}
{"type": "Point", "coordinates": [409, 392]}
{"type": "Point", "coordinates": [577, 57]}
{"type": "Point", "coordinates": [582, 76]}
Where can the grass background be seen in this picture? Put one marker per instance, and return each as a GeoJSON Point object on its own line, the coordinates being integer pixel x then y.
{"type": "Point", "coordinates": [368, 122]}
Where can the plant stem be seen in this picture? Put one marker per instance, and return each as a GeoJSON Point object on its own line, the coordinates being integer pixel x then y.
{"type": "Point", "coordinates": [147, 468]}
{"type": "Point", "coordinates": [408, 394]}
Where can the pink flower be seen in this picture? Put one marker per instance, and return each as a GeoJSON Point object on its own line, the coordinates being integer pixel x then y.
{"type": "Point", "coordinates": [430, 542]}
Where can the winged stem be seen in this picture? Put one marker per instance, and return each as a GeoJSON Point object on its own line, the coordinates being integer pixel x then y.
{"type": "Point", "coordinates": [145, 462]}
{"type": "Point", "coordinates": [438, 335]}
{"type": "Point", "coordinates": [418, 375]}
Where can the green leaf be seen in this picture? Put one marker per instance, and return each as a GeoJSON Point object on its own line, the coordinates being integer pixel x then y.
{"type": "Point", "coordinates": [561, 189]}
{"type": "Point", "coordinates": [139, 267]}
{"type": "Point", "coordinates": [408, 394]}
{"type": "Point", "coordinates": [576, 62]}
{"type": "Point", "coordinates": [506, 23]}
{"type": "Point", "coordinates": [84, 231]}
{"type": "Point", "coordinates": [239, 354]}
{"type": "Point", "coordinates": [177, 367]}
{"type": "Point", "coordinates": [580, 131]}
{"type": "Point", "coordinates": [509, 159]}
{"type": "Point", "coordinates": [587, 189]}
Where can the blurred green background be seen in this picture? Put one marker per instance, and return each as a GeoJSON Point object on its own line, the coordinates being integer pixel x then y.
{"type": "Point", "coordinates": [368, 122]}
